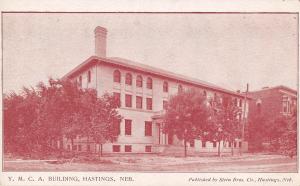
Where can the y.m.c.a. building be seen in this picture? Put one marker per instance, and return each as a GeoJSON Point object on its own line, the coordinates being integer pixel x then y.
{"type": "Point", "coordinates": [143, 92]}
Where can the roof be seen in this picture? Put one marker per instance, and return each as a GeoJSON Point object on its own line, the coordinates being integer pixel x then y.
{"type": "Point", "coordinates": [282, 87]}
{"type": "Point", "coordinates": [148, 69]}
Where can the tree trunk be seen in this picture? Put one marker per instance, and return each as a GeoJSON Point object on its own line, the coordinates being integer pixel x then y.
{"type": "Point", "coordinates": [72, 144]}
{"type": "Point", "coordinates": [219, 149]}
{"type": "Point", "coordinates": [185, 148]}
{"type": "Point", "coordinates": [231, 148]}
{"type": "Point", "coordinates": [101, 151]}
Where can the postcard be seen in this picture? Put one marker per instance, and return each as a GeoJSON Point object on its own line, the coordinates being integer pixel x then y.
{"type": "Point", "coordinates": [150, 95]}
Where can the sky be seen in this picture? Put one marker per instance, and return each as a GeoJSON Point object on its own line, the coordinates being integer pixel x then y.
{"type": "Point", "coordinates": [228, 50]}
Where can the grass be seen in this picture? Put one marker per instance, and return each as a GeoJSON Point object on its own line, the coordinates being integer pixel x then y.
{"type": "Point", "coordinates": [244, 163]}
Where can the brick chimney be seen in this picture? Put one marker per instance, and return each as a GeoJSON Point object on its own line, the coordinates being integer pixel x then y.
{"type": "Point", "coordinates": [100, 41]}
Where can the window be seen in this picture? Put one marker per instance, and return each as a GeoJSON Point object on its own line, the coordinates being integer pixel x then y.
{"type": "Point", "coordinates": [127, 148]}
{"type": "Point", "coordinates": [204, 93]}
{"type": "Point", "coordinates": [240, 144]}
{"type": "Point", "coordinates": [214, 144]}
{"type": "Point", "coordinates": [149, 103]}
{"type": "Point", "coordinates": [128, 127]}
{"type": "Point", "coordinates": [116, 148]}
{"type": "Point", "coordinates": [128, 79]}
{"type": "Point", "coordinates": [258, 108]}
{"type": "Point", "coordinates": [192, 143]}
{"type": "Point", "coordinates": [165, 105]}
{"type": "Point", "coordinates": [118, 127]}
{"type": "Point", "coordinates": [79, 147]}
{"type": "Point", "coordinates": [180, 88]}
{"type": "Point", "coordinates": [80, 81]}
{"type": "Point", "coordinates": [240, 104]}
{"type": "Point", "coordinates": [69, 147]}
{"type": "Point", "coordinates": [74, 147]}
{"type": "Point", "coordinates": [240, 116]}
{"type": "Point", "coordinates": [234, 144]}
{"type": "Point", "coordinates": [203, 144]}
{"type": "Point", "coordinates": [128, 100]}
{"type": "Point", "coordinates": [148, 128]}
{"type": "Point", "coordinates": [139, 102]}
{"type": "Point", "coordinates": [139, 81]}
{"type": "Point", "coordinates": [165, 87]}
{"type": "Point", "coordinates": [286, 104]}
{"type": "Point", "coordinates": [88, 148]}
{"type": "Point", "coordinates": [117, 76]}
{"type": "Point", "coordinates": [148, 148]}
{"type": "Point", "coordinates": [117, 97]}
{"type": "Point", "coordinates": [89, 76]}
{"type": "Point", "coordinates": [149, 83]}
{"type": "Point", "coordinates": [235, 102]}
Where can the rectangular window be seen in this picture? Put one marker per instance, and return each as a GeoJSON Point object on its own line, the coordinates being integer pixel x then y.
{"type": "Point", "coordinates": [117, 97]}
{"type": "Point", "coordinates": [74, 147]}
{"type": "Point", "coordinates": [203, 144]}
{"type": "Point", "coordinates": [80, 81]}
{"type": "Point", "coordinates": [148, 148]}
{"type": "Point", "coordinates": [139, 102]}
{"type": "Point", "coordinates": [214, 144]}
{"type": "Point", "coordinates": [240, 144]}
{"type": "Point", "coordinates": [148, 128]}
{"type": "Point", "coordinates": [128, 126]}
{"type": "Point", "coordinates": [79, 147]}
{"type": "Point", "coordinates": [127, 148]}
{"type": "Point", "coordinates": [89, 76]}
{"type": "Point", "coordinates": [229, 144]}
{"type": "Point", "coordinates": [165, 105]}
{"type": "Point", "coordinates": [128, 100]}
{"type": "Point", "coordinates": [192, 143]}
{"type": "Point", "coordinates": [116, 148]}
{"type": "Point", "coordinates": [149, 103]}
{"type": "Point", "coordinates": [69, 147]}
{"type": "Point", "coordinates": [234, 144]}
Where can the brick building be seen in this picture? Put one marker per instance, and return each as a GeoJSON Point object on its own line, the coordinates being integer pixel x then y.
{"type": "Point", "coordinates": [273, 101]}
{"type": "Point", "coordinates": [143, 92]}
{"type": "Point", "coordinates": [267, 105]}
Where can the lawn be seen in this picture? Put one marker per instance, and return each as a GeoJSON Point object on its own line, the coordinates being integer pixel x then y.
{"type": "Point", "coordinates": [241, 163]}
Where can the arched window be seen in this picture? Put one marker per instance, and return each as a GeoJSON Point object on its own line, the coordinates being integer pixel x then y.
{"type": "Point", "coordinates": [258, 108]}
{"type": "Point", "coordinates": [180, 89]}
{"type": "Point", "coordinates": [89, 76]}
{"type": "Point", "coordinates": [139, 81]}
{"type": "Point", "coordinates": [128, 80]}
{"type": "Point", "coordinates": [149, 83]}
{"type": "Point", "coordinates": [117, 76]}
{"type": "Point", "coordinates": [165, 87]}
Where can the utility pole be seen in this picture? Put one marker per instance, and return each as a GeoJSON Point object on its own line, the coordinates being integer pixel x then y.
{"type": "Point", "coordinates": [244, 113]}
{"type": "Point", "coordinates": [244, 116]}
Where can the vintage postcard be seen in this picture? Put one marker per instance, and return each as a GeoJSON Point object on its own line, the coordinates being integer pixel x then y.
{"type": "Point", "coordinates": [175, 97]}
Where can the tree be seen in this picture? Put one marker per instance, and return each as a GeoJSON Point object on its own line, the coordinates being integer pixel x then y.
{"type": "Point", "coordinates": [224, 124]}
{"type": "Point", "coordinates": [186, 116]}
{"type": "Point", "coordinates": [37, 118]}
{"type": "Point", "coordinates": [284, 135]}
{"type": "Point", "coordinates": [259, 131]}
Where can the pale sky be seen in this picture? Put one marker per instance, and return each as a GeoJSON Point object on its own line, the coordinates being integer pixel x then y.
{"type": "Point", "coordinates": [228, 50]}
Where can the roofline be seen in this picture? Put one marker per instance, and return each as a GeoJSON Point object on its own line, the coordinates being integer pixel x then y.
{"type": "Point", "coordinates": [276, 87]}
{"type": "Point", "coordinates": [170, 75]}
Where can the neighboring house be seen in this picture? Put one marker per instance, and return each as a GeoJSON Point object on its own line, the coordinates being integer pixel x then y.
{"type": "Point", "coordinates": [268, 104]}
{"type": "Point", "coordinates": [143, 92]}
{"type": "Point", "coordinates": [273, 101]}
